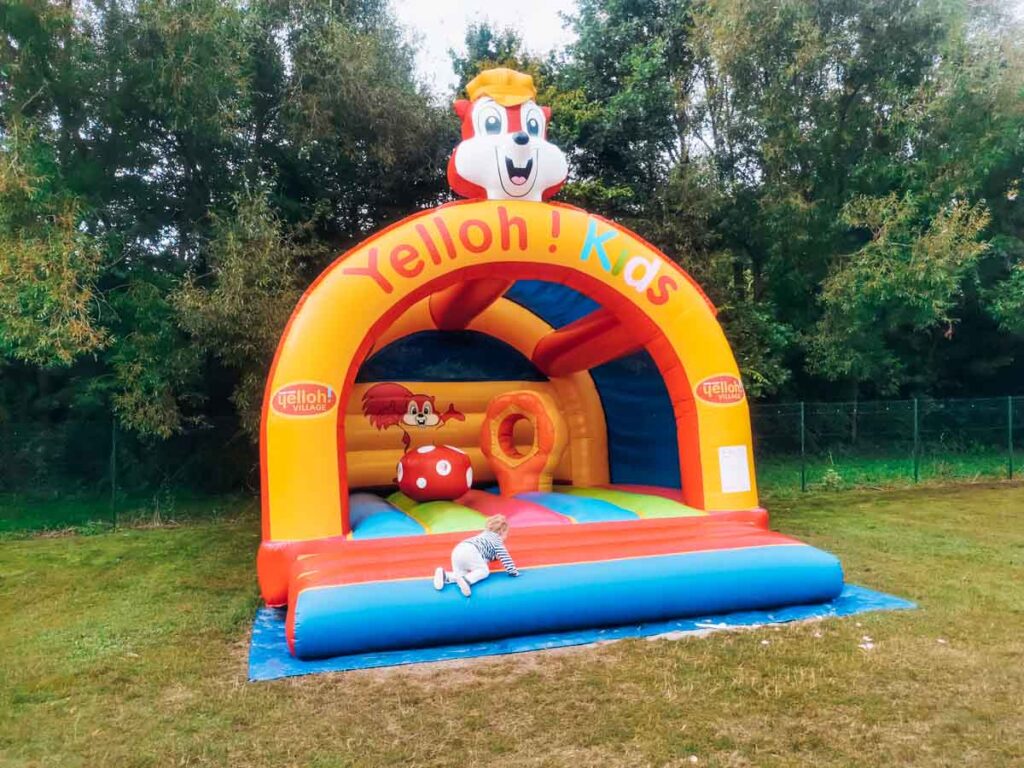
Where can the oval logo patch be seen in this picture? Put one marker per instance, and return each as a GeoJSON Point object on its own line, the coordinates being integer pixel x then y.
{"type": "Point", "coordinates": [304, 398]}
{"type": "Point", "coordinates": [721, 390]}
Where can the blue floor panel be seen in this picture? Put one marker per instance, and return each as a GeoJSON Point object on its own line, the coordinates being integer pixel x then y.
{"type": "Point", "coordinates": [582, 510]}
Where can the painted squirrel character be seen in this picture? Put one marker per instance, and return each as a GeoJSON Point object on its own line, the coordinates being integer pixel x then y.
{"type": "Point", "coordinates": [392, 405]}
{"type": "Point", "coordinates": [504, 153]}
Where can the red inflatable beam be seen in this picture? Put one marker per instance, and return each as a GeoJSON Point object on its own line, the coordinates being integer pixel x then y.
{"type": "Point", "coordinates": [278, 559]}
{"type": "Point", "coordinates": [532, 546]}
{"type": "Point", "coordinates": [454, 308]}
{"type": "Point", "coordinates": [589, 341]}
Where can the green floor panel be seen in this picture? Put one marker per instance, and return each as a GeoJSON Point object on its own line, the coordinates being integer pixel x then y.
{"type": "Point", "coordinates": [402, 501]}
{"type": "Point", "coordinates": [446, 517]}
{"type": "Point", "coordinates": [642, 504]}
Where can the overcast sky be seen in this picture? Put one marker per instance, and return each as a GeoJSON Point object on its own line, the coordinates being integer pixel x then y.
{"type": "Point", "coordinates": [442, 24]}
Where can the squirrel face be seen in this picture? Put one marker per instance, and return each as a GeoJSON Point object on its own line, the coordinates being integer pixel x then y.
{"type": "Point", "coordinates": [420, 412]}
{"type": "Point", "coordinates": [504, 153]}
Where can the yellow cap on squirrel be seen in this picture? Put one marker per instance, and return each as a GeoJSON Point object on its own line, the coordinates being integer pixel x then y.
{"type": "Point", "coordinates": [505, 86]}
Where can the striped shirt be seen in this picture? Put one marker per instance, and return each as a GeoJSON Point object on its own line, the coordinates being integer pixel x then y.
{"type": "Point", "coordinates": [491, 547]}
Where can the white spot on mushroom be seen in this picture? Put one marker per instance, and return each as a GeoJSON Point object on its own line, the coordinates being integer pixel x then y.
{"type": "Point", "coordinates": [444, 468]}
{"type": "Point", "coordinates": [469, 476]}
{"type": "Point", "coordinates": [425, 449]}
{"type": "Point", "coordinates": [401, 471]}
{"type": "Point", "coordinates": [421, 483]}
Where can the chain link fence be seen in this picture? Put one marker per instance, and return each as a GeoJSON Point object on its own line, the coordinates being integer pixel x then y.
{"type": "Point", "coordinates": [89, 472]}
{"type": "Point", "coordinates": [886, 442]}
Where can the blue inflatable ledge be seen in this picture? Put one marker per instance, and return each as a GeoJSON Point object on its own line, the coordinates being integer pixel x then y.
{"type": "Point", "coordinates": [342, 619]}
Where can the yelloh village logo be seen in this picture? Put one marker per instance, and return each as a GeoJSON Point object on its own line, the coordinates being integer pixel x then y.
{"type": "Point", "coordinates": [304, 398]}
{"type": "Point", "coordinates": [723, 389]}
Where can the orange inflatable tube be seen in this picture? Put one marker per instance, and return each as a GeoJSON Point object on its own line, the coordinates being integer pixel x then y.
{"type": "Point", "coordinates": [519, 472]}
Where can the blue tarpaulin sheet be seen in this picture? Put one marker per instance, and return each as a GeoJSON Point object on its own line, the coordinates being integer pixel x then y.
{"type": "Point", "coordinates": [269, 658]}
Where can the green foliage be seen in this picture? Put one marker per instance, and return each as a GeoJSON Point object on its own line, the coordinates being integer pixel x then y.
{"type": "Point", "coordinates": [750, 141]}
{"type": "Point", "coordinates": [629, 69]}
{"type": "Point", "coordinates": [1008, 305]}
{"type": "Point", "coordinates": [487, 48]}
{"type": "Point", "coordinates": [155, 369]}
{"type": "Point", "coordinates": [906, 279]}
{"type": "Point", "coordinates": [1007, 296]}
{"type": "Point", "coordinates": [238, 311]}
{"type": "Point", "coordinates": [154, 157]}
{"type": "Point", "coordinates": [361, 143]}
{"type": "Point", "coordinates": [841, 177]}
{"type": "Point", "coordinates": [48, 265]}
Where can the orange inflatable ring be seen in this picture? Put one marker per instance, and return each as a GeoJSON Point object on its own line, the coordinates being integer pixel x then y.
{"type": "Point", "coordinates": [520, 472]}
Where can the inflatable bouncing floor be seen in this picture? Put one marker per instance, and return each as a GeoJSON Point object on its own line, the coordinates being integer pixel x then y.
{"type": "Point", "coordinates": [508, 355]}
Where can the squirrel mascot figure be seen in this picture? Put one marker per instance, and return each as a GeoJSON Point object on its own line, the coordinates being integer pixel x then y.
{"type": "Point", "coordinates": [505, 153]}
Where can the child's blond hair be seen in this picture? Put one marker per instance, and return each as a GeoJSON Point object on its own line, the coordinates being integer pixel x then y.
{"type": "Point", "coordinates": [497, 524]}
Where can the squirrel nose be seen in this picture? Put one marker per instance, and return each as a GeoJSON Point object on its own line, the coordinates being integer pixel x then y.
{"type": "Point", "coordinates": [521, 138]}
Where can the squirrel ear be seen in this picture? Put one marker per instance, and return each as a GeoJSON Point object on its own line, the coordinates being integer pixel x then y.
{"type": "Point", "coordinates": [547, 114]}
{"type": "Point", "coordinates": [461, 107]}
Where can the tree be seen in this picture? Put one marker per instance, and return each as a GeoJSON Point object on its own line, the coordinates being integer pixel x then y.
{"type": "Point", "coordinates": [630, 69]}
{"type": "Point", "coordinates": [487, 48]}
{"type": "Point", "coordinates": [48, 265]}
{"type": "Point", "coordinates": [906, 279]}
{"type": "Point", "coordinates": [240, 315]}
{"type": "Point", "coordinates": [166, 163]}
{"type": "Point", "coordinates": [749, 140]}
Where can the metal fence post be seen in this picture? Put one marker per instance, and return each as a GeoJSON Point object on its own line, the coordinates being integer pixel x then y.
{"type": "Point", "coordinates": [803, 459]}
{"type": "Point", "coordinates": [853, 430]}
{"type": "Point", "coordinates": [113, 469]}
{"type": "Point", "coordinates": [1009, 436]}
{"type": "Point", "coordinates": [917, 443]}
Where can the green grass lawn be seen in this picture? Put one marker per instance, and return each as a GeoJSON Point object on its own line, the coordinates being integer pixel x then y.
{"type": "Point", "coordinates": [129, 648]}
{"type": "Point", "coordinates": [20, 514]}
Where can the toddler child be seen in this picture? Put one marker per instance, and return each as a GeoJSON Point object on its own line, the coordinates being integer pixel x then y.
{"type": "Point", "coordinates": [470, 557]}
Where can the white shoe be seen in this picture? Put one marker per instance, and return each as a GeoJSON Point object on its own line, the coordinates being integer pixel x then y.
{"type": "Point", "coordinates": [439, 579]}
{"type": "Point", "coordinates": [464, 587]}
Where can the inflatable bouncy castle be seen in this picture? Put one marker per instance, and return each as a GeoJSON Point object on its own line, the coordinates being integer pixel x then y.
{"type": "Point", "coordinates": [507, 355]}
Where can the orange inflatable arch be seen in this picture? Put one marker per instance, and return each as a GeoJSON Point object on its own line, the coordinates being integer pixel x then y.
{"type": "Point", "coordinates": [447, 268]}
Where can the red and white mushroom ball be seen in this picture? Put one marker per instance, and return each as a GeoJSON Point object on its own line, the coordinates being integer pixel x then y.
{"type": "Point", "coordinates": [435, 473]}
